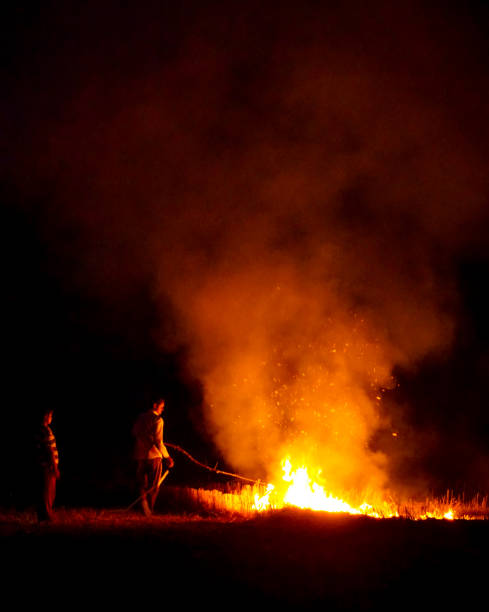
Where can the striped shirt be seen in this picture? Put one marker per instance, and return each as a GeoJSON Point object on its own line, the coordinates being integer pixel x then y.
{"type": "Point", "coordinates": [47, 452]}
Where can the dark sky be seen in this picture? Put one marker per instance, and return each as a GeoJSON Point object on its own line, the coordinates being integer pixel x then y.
{"type": "Point", "coordinates": [143, 142]}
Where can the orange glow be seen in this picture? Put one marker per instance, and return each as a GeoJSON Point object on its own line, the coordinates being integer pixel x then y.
{"type": "Point", "coordinates": [297, 490]}
{"type": "Point", "coordinates": [302, 492]}
{"type": "Point", "coordinates": [294, 376]}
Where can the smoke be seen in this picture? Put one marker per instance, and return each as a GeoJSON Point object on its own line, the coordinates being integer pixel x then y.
{"type": "Point", "coordinates": [298, 191]}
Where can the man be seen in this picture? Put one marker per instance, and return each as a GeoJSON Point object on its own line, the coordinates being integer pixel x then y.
{"type": "Point", "coordinates": [47, 466]}
{"type": "Point", "coordinates": [150, 452]}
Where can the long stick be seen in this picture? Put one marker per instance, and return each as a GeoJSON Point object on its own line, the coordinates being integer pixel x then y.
{"type": "Point", "coordinates": [207, 467]}
{"type": "Point", "coordinates": [162, 478]}
{"type": "Point", "coordinates": [215, 470]}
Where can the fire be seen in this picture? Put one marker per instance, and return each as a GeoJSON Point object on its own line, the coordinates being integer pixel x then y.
{"type": "Point", "coordinates": [300, 490]}
{"type": "Point", "coordinates": [303, 492]}
{"type": "Point", "coordinates": [450, 516]}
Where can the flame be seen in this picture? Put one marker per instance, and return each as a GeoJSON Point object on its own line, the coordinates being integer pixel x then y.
{"type": "Point", "coordinates": [298, 489]}
{"type": "Point", "coordinates": [304, 493]}
{"type": "Point", "coordinates": [301, 491]}
{"type": "Point", "coordinates": [449, 516]}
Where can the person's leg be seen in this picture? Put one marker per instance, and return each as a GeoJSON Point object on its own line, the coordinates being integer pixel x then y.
{"type": "Point", "coordinates": [50, 493]}
{"type": "Point", "coordinates": [143, 485]}
{"type": "Point", "coordinates": [156, 469]}
{"type": "Point", "coordinates": [40, 497]}
{"type": "Point", "coordinates": [45, 494]}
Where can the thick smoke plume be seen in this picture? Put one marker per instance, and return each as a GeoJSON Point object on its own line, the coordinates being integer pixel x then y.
{"type": "Point", "coordinates": [297, 190]}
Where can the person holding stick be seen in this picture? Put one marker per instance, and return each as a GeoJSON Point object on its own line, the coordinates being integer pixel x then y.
{"type": "Point", "coordinates": [150, 454]}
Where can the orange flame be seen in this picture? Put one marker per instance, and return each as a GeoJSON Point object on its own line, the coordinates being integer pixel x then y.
{"type": "Point", "coordinates": [303, 492]}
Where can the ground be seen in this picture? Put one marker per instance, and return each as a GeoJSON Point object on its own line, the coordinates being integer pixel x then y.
{"type": "Point", "coordinates": [289, 559]}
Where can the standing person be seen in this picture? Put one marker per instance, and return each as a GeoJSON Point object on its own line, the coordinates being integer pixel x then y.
{"type": "Point", "coordinates": [149, 453]}
{"type": "Point", "coordinates": [47, 467]}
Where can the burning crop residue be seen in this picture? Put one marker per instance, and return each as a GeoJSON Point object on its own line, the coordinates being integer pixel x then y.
{"type": "Point", "coordinates": [301, 491]}
{"type": "Point", "coordinates": [297, 489]}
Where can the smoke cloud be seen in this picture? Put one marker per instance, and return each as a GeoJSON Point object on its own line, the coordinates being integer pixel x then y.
{"type": "Point", "coordinates": [297, 187]}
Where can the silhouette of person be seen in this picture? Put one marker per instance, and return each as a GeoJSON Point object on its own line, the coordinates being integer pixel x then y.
{"type": "Point", "coordinates": [150, 453]}
{"type": "Point", "coordinates": [47, 467]}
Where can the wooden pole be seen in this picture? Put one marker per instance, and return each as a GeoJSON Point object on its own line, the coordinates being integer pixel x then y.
{"type": "Point", "coordinates": [156, 486]}
{"type": "Point", "coordinates": [212, 469]}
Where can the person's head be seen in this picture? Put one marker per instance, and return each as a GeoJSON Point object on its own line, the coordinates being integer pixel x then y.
{"type": "Point", "coordinates": [47, 416]}
{"type": "Point", "coordinates": [159, 406]}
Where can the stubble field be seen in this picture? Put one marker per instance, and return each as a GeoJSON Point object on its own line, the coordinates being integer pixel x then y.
{"type": "Point", "coordinates": [287, 559]}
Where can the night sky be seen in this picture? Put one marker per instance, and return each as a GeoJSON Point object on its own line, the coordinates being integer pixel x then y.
{"type": "Point", "coordinates": [148, 148]}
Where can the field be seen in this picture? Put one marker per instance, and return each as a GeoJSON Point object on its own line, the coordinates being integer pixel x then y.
{"type": "Point", "coordinates": [287, 559]}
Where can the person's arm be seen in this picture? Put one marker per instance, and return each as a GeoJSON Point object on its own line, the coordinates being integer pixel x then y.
{"type": "Point", "coordinates": [159, 439]}
{"type": "Point", "coordinates": [160, 446]}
